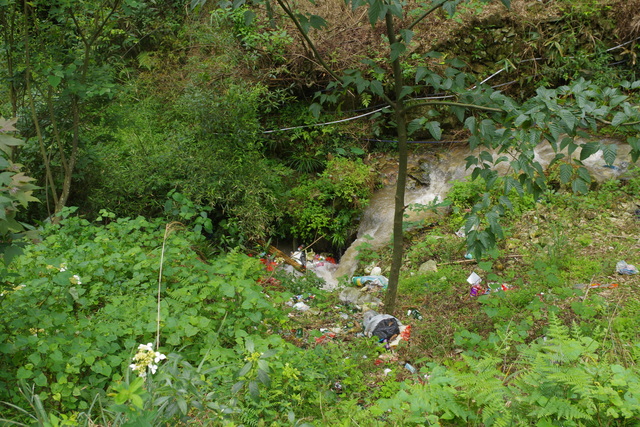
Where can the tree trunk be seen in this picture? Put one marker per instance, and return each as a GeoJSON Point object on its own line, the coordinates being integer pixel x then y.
{"type": "Point", "coordinates": [398, 215]}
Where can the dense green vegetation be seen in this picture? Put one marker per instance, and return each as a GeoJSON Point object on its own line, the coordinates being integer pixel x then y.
{"type": "Point", "coordinates": [155, 143]}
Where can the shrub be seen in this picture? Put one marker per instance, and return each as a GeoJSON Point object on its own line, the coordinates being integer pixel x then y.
{"type": "Point", "coordinates": [81, 300]}
{"type": "Point", "coordinates": [330, 204]}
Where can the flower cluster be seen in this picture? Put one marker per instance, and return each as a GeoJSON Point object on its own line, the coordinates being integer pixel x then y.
{"type": "Point", "coordinates": [146, 358]}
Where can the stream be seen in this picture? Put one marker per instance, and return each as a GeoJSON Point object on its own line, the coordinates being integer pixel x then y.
{"type": "Point", "coordinates": [432, 173]}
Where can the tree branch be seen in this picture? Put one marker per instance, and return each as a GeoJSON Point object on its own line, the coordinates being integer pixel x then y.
{"type": "Point", "coordinates": [454, 104]}
{"type": "Point", "coordinates": [424, 15]}
{"type": "Point", "coordinates": [312, 46]}
{"type": "Point", "coordinates": [621, 124]}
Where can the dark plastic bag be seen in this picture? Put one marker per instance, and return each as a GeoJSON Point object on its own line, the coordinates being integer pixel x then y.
{"type": "Point", "coordinates": [386, 329]}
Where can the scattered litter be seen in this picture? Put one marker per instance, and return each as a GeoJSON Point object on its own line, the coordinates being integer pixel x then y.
{"type": "Point", "coordinates": [298, 302]}
{"type": "Point", "coordinates": [384, 326]}
{"type": "Point", "coordinates": [415, 314]}
{"type": "Point", "coordinates": [463, 233]}
{"type": "Point", "coordinates": [358, 297]}
{"type": "Point", "coordinates": [595, 285]}
{"type": "Point", "coordinates": [337, 387]}
{"type": "Point", "coordinates": [477, 289]}
{"type": "Point", "coordinates": [387, 371]}
{"type": "Point", "coordinates": [410, 368]}
{"type": "Point", "coordinates": [376, 271]}
{"type": "Point", "coordinates": [474, 279]}
{"type": "Point", "coordinates": [269, 262]}
{"type": "Point", "coordinates": [498, 287]}
{"type": "Point", "coordinates": [623, 268]}
{"type": "Point", "coordinates": [370, 280]}
{"type": "Point", "coordinates": [405, 334]}
{"type": "Point", "coordinates": [300, 306]}
{"type": "Point", "coordinates": [325, 337]}
{"type": "Point", "coordinates": [300, 256]}
{"type": "Point", "coordinates": [468, 255]}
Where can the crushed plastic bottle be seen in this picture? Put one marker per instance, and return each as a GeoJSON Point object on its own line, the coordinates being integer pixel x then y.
{"type": "Point", "coordinates": [623, 268]}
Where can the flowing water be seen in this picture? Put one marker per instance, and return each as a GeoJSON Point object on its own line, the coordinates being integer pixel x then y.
{"type": "Point", "coordinates": [432, 175]}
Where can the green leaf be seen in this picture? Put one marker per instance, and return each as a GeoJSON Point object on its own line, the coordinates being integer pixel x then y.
{"type": "Point", "coordinates": [23, 373]}
{"type": "Point", "coordinates": [406, 90]}
{"type": "Point", "coordinates": [486, 156]}
{"type": "Point", "coordinates": [579, 186]}
{"type": "Point", "coordinates": [609, 152]}
{"type": "Point", "coordinates": [10, 141]}
{"type": "Point", "coordinates": [434, 129]}
{"type": "Point", "coordinates": [619, 118]}
{"type": "Point", "coordinates": [589, 149]}
{"type": "Point", "coordinates": [317, 22]}
{"type": "Point", "coordinates": [54, 80]}
{"type": "Point", "coordinates": [569, 119]}
{"type": "Point", "coordinates": [254, 392]}
{"type": "Point", "coordinates": [616, 100]}
{"type": "Point", "coordinates": [583, 173]}
{"type": "Point", "coordinates": [263, 377]}
{"type": "Point", "coordinates": [459, 112]}
{"type": "Point", "coordinates": [376, 87]}
{"type": "Point", "coordinates": [450, 8]}
{"type": "Point", "coordinates": [470, 123]}
{"type": "Point", "coordinates": [634, 143]}
{"type": "Point", "coordinates": [420, 73]}
{"type": "Point", "coordinates": [511, 183]}
{"type": "Point", "coordinates": [566, 171]}
{"type": "Point", "coordinates": [522, 118]}
{"type": "Point", "coordinates": [414, 125]}
{"type": "Point", "coordinates": [407, 35]}
{"type": "Point", "coordinates": [397, 49]}
{"type": "Point", "coordinates": [315, 109]}
{"type": "Point", "coordinates": [249, 16]}
{"type": "Point", "coordinates": [237, 387]}
{"type": "Point", "coordinates": [245, 369]}
{"type": "Point", "coordinates": [377, 10]}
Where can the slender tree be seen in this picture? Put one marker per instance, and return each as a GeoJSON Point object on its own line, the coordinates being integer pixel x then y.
{"type": "Point", "coordinates": [52, 51]}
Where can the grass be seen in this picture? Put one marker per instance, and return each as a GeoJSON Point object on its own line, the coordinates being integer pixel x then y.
{"type": "Point", "coordinates": [565, 241]}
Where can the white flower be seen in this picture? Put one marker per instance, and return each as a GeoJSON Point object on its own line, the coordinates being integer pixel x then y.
{"type": "Point", "coordinates": [146, 358]}
{"type": "Point", "coordinates": [146, 347]}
